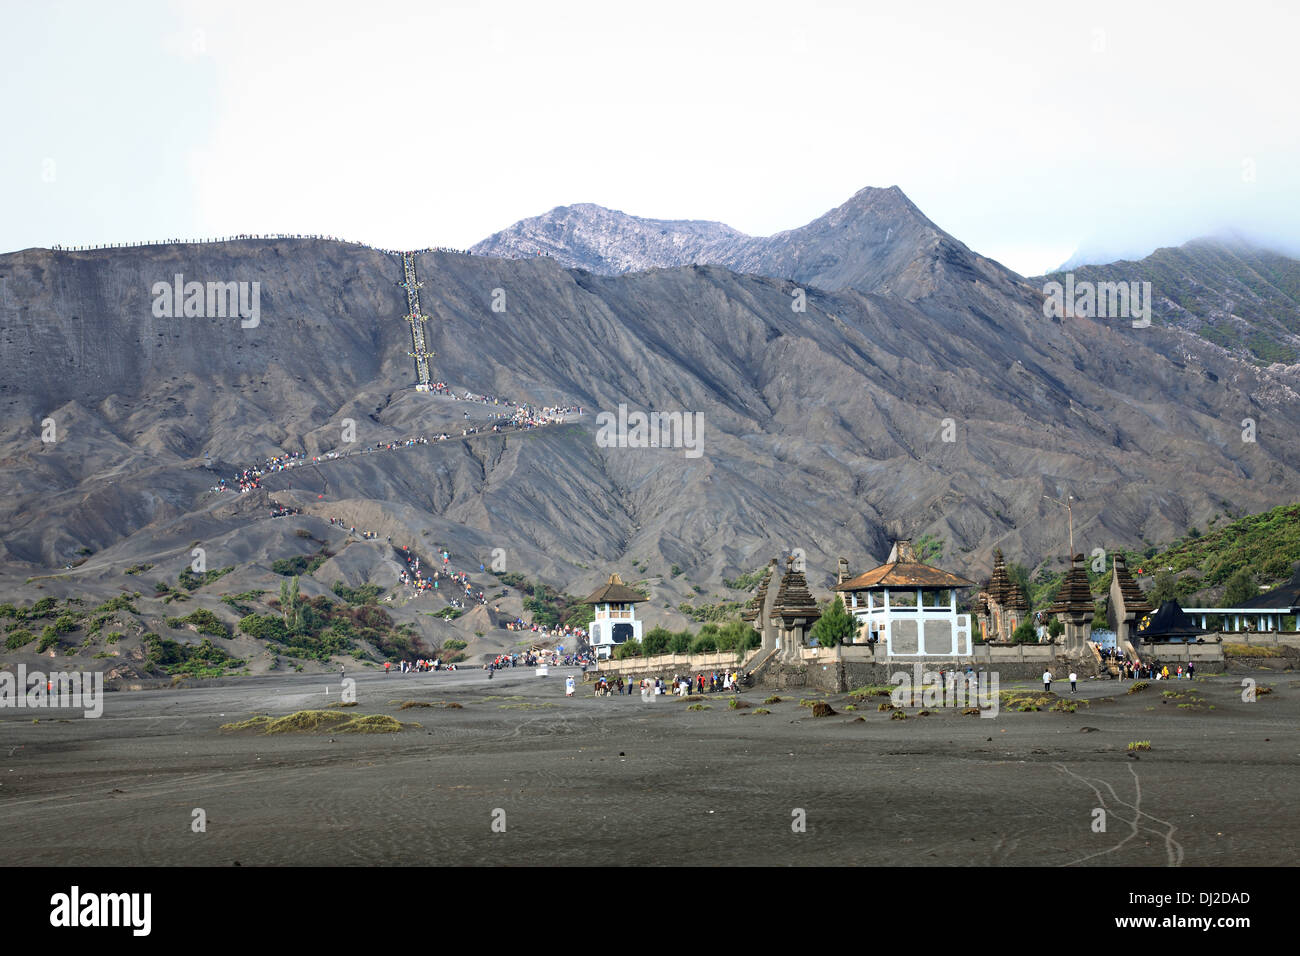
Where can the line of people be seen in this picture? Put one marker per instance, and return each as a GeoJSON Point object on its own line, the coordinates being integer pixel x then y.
{"type": "Point", "coordinates": [58, 247]}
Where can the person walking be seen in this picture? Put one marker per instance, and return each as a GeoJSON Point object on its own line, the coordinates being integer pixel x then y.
{"type": "Point", "coordinates": [1047, 681]}
{"type": "Point", "coordinates": [1073, 682]}
{"type": "Point", "coordinates": [387, 666]}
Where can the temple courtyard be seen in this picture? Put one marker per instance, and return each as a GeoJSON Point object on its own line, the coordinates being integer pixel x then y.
{"type": "Point", "coordinates": [521, 774]}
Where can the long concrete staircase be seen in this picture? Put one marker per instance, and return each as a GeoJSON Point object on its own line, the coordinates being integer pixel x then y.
{"type": "Point", "coordinates": [419, 351]}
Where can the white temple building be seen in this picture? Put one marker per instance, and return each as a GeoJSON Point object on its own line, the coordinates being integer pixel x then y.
{"type": "Point", "coordinates": [908, 607]}
{"type": "Point", "coordinates": [615, 620]}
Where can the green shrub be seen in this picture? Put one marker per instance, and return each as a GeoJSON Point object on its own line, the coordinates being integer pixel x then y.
{"type": "Point", "coordinates": [49, 637]}
{"type": "Point", "coordinates": [192, 581]}
{"type": "Point", "coordinates": [19, 638]}
{"type": "Point", "coordinates": [204, 621]}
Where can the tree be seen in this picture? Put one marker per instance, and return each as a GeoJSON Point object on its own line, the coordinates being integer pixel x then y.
{"type": "Point", "coordinates": [1055, 627]}
{"type": "Point", "coordinates": [681, 642]}
{"type": "Point", "coordinates": [1239, 589]}
{"type": "Point", "coordinates": [1164, 588]}
{"type": "Point", "coordinates": [835, 626]}
{"type": "Point", "coordinates": [929, 548]}
{"type": "Point", "coordinates": [656, 640]}
{"type": "Point", "coordinates": [1025, 632]}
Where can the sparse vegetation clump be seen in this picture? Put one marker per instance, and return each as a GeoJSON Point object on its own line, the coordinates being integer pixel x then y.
{"type": "Point", "coordinates": [370, 724]}
{"type": "Point", "coordinates": [737, 704]}
{"type": "Point", "coordinates": [204, 659]}
{"type": "Point", "coordinates": [762, 710]}
{"type": "Point", "coordinates": [192, 581]}
{"type": "Point", "coordinates": [298, 564]}
{"type": "Point", "coordinates": [823, 709]}
{"type": "Point", "coordinates": [898, 715]}
{"type": "Point", "coordinates": [203, 620]}
{"type": "Point", "coordinates": [1138, 687]}
{"type": "Point", "coordinates": [697, 707]}
{"type": "Point", "coordinates": [773, 700]}
{"type": "Point", "coordinates": [1139, 745]}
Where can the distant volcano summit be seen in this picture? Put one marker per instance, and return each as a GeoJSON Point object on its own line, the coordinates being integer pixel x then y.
{"type": "Point", "coordinates": [878, 241]}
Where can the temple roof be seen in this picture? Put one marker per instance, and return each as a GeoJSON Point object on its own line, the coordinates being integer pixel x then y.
{"type": "Point", "coordinates": [1075, 596]}
{"type": "Point", "coordinates": [1171, 621]}
{"type": "Point", "coordinates": [1002, 590]}
{"type": "Point", "coordinates": [903, 570]}
{"type": "Point", "coordinates": [1135, 601]}
{"type": "Point", "coordinates": [614, 591]}
{"type": "Point", "coordinates": [793, 599]}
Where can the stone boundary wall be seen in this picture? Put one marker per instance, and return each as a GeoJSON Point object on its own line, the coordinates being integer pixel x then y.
{"type": "Point", "coordinates": [666, 665]}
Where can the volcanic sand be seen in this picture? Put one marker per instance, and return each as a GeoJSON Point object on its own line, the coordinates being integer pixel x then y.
{"type": "Point", "coordinates": [620, 780]}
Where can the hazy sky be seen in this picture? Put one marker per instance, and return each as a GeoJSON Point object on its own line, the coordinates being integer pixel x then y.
{"type": "Point", "coordinates": [1025, 130]}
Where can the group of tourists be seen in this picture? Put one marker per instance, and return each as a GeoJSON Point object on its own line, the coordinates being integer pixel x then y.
{"type": "Point", "coordinates": [1154, 670]}
{"type": "Point", "coordinates": [423, 665]}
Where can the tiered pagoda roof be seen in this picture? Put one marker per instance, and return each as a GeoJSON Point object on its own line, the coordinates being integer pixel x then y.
{"type": "Point", "coordinates": [1002, 590]}
{"type": "Point", "coordinates": [794, 601]}
{"type": "Point", "coordinates": [1075, 596]}
{"type": "Point", "coordinates": [1135, 601]}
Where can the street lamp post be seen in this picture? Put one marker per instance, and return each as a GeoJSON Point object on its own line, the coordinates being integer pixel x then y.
{"type": "Point", "coordinates": [1069, 511]}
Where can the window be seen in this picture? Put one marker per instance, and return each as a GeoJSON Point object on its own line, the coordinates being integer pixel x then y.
{"type": "Point", "coordinates": [902, 599]}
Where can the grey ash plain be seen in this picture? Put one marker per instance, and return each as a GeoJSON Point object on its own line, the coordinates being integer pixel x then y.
{"type": "Point", "coordinates": [618, 781]}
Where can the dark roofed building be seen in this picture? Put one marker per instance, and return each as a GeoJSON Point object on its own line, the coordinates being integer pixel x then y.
{"type": "Point", "coordinates": [1169, 623]}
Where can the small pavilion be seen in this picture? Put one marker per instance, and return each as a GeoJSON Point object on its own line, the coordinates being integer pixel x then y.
{"type": "Point", "coordinates": [909, 607]}
{"type": "Point", "coordinates": [615, 621]}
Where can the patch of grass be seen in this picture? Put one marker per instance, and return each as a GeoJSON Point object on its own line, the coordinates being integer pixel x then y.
{"type": "Point", "coordinates": [773, 700]}
{"type": "Point", "coordinates": [1138, 687]}
{"type": "Point", "coordinates": [698, 707]}
{"type": "Point", "coordinates": [370, 724]}
{"type": "Point", "coordinates": [1251, 650]}
{"type": "Point", "coordinates": [737, 704]}
{"type": "Point", "coordinates": [898, 715]}
{"type": "Point", "coordinates": [885, 705]}
{"type": "Point", "coordinates": [1024, 701]}
{"type": "Point", "coordinates": [304, 721]}
{"type": "Point", "coordinates": [971, 712]}
{"type": "Point", "coordinates": [256, 722]}
{"type": "Point", "coordinates": [343, 703]}
{"type": "Point", "coordinates": [762, 710]}
{"type": "Point", "coordinates": [873, 690]}
{"type": "Point", "coordinates": [1064, 706]}
{"type": "Point", "coordinates": [1139, 745]}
